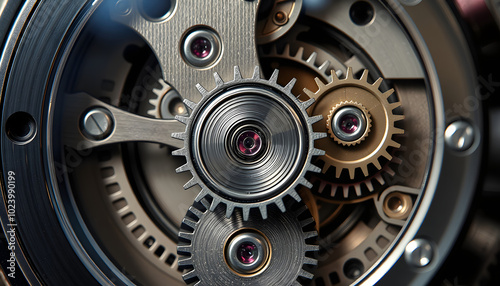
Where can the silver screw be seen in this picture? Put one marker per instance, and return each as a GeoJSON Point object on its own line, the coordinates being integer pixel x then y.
{"type": "Point", "coordinates": [201, 47]}
{"type": "Point", "coordinates": [97, 123]}
{"type": "Point", "coordinates": [459, 135]}
{"type": "Point", "coordinates": [419, 253]}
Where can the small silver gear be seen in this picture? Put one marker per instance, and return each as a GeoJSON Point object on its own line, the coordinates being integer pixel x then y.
{"type": "Point", "coordinates": [276, 119]}
{"type": "Point", "coordinates": [209, 242]}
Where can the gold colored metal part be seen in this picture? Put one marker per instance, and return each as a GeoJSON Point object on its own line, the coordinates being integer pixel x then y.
{"type": "Point", "coordinates": [298, 66]}
{"type": "Point", "coordinates": [397, 205]}
{"type": "Point", "coordinates": [332, 114]}
{"type": "Point", "coordinates": [375, 146]}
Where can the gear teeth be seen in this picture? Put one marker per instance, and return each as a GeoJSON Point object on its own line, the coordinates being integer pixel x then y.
{"type": "Point", "coordinates": [305, 183]}
{"type": "Point", "coordinates": [317, 152]}
{"type": "Point", "coordinates": [286, 50]}
{"type": "Point", "coordinates": [310, 248]}
{"type": "Point", "coordinates": [319, 135]}
{"type": "Point", "coordinates": [399, 131]}
{"type": "Point", "coordinates": [263, 211]}
{"type": "Point", "coordinates": [394, 105]}
{"type": "Point", "coordinates": [295, 195]}
{"type": "Point", "coordinates": [191, 183]}
{"type": "Point", "coordinates": [280, 205]}
{"type": "Point", "coordinates": [364, 169]}
{"type": "Point", "coordinates": [333, 191]}
{"type": "Point", "coordinates": [218, 80]}
{"type": "Point", "coordinates": [309, 93]}
{"type": "Point", "coordinates": [397, 160]}
{"type": "Point", "coordinates": [345, 190]}
{"type": "Point", "coordinates": [191, 105]}
{"type": "Point", "coordinates": [186, 235]}
{"type": "Point", "coordinates": [379, 179]}
{"type": "Point", "coordinates": [202, 90]}
{"type": "Point", "coordinates": [274, 76]}
{"type": "Point", "coordinates": [180, 152]}
{"type": "Point", "coordinates": [357, 189]}
{"type": "Point", "coordinates": [229, 210]}
{"type": "Point", "coordinates": [376, 163]}
{"type": "Point", "coordinates": [214, 203]}
{"type": "Point", "coordinates": [189, 222]}
{"type": "Point", "coordinates": [377, 83]}
{"type": "Point", "coordinates": [338, 172]}
{"type": "Point", "coordinates": [189, 275]}
{"type": "Point", "coordinates": [391, 143]}
{"type": "Point", "coordinates": [307, 222]}
{"type": "Point", "coordinates": [399, 118]}
{"type": "Point", "coordinates": [315, 169]}
{"type": "Point", "coordinates": [324, 67]}
{"type": "Point", "coordinates": [300, 53]}
{"type": "Point", "coordinates": [311, 234]}
{"type": "Point", "coordinates": [335, 76]}
{"type": "Point", "coordinates": [310, 261]}
{"type": "Point", "coordinates": [369, 185]}
{"type": "Point", "coordinates": [237, 74]}
{"type": "Point", "coordinates": [196, 212]}
{"type": "Point", "coordinates": [290, 85]}
{"type": "Point", "coordinates": [319, 83]}
{"type": "Point", "coordinates": [349, 74]}
{"type": "Point", "coordinates": [256, 73]}
{"type": "Point", "coordinates": [388, 93]}
{"type": "Point", "coordinates": [315, 119]}
{"type": "Point", "coordinates": [182, 119]}
{"type": "Point", "coordinates": [309, 103]}
{"type": "Point", "coordinates": [305, 274]}
{"type": "Point", "coordinates": [179, 135]}
{"type": "Point", "coordinates": [185, 262]}
{"type": "Point", "coordinates": [182, 169]}
{"type": "Point", "coordinates": [364, 76]}
{"type": "Point", "coordinates": [312, 58]}
{"type": "Point", "coordinates": [246, 213]}
{"type": "Point", "coordinates": [352, 173]}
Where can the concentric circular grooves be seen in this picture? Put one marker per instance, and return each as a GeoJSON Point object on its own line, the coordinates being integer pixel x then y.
{"type": "Point", "coordinates": [186, 151]}
{"type": "Point", "coordinates": [199, 222]}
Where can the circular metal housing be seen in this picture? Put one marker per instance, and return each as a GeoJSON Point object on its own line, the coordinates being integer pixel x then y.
{"type": "Point", "coordinates": [201, 47]}
{"type": "Point", "coordinates": [209, 244]}
{"type": "Point", "coordinates": [247, 252]}
{"type": "Point", "coordinates": [349, 123]}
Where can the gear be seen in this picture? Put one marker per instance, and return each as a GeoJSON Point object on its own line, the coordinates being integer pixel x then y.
{"type": "Point", "coordinates": [167, 102]}
{"type": "Point", "coordinates": [248, 143]}
{"type": "Point", "coordinates": [215, 250]}
{"type": "Point", "coordinates": [288, 63]}
{"type": "Point", "coordinates": [357, 153]}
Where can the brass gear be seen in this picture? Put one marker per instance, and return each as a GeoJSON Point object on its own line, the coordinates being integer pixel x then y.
{"type": "Point", "coordinates": [338, 107]}
{"type": "Point", "coordinates": [383, 118]}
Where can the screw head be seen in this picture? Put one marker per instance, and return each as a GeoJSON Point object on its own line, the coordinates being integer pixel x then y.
{"type": "Point", "coordinates": [459, 135]}
{"type": "Point", "coordinates": [201, 47]}
{"type": "Point", "coordinates": [349, 123]}
{"type": "Point", "coordinates": [247, 252]}
{"type": "Point", "coordinates": [97, 123]}
{"type": "Point", "coordinates": [419, 253]}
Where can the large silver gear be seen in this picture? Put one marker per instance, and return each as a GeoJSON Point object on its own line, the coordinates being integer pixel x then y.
{"type": "Point", "coordinates": [273, 115]}
{"type": "Point", "coordinates": [207, 238]}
